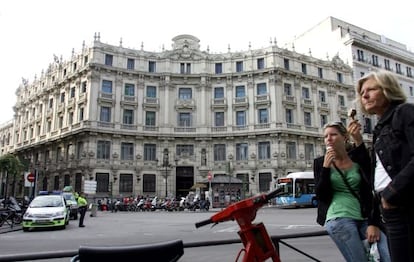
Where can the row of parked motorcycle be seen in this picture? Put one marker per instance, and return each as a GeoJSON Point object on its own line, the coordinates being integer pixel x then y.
{"type": "Point", "coordinates": [153, 204]}
{"type": "Point", "coordinates": [11, 211]}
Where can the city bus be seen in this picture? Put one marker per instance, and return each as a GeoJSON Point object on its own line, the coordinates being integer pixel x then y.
{"type": "Point", "coordinates": [299, 188]}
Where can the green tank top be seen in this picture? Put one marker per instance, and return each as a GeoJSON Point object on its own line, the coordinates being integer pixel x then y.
{"type": "Point", "coordinates": [344, 204]}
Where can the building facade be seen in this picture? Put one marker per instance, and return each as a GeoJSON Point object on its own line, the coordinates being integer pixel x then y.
{"type": "Point", "coordinates": [156, 123]}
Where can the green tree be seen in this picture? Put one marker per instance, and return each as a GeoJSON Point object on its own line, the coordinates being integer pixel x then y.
{"type": "Point", "coordinates": [12, 167]}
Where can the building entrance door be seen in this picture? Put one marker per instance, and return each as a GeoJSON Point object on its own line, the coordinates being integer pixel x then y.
{"type": "Point", "coordinates": [185, 180]}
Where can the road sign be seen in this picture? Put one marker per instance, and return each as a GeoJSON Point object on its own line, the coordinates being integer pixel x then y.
{"type": "Point", "coordinates": [31, 177]}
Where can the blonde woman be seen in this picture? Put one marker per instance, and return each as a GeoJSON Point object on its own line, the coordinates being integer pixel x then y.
{"type": "Point", "coordinates": [392, 177]}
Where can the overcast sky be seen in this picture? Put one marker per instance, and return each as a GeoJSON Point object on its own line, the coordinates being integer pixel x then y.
{"type": "Point", "coordinates": [32, 31]}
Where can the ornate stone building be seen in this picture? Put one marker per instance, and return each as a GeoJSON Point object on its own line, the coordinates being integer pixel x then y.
{"type": "Point", "coordinates": [156, 123]}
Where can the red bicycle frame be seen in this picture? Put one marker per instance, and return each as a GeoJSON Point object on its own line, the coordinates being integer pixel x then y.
{"type": "Point", "coordinates": [258, 245]}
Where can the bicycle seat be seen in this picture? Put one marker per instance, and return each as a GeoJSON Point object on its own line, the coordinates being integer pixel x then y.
{"type": "Point", "coordinates": [169, 251]}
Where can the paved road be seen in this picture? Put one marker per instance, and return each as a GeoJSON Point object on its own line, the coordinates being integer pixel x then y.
{"type": "Point", "coordinates": [124, 228]}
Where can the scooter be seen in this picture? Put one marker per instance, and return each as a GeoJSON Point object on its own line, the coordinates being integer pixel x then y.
{"type": "Point", "coordinates": [258, 245]}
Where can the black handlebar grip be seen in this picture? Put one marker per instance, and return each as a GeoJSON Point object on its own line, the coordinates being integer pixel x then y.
{"type": "Point", "coordinates": [203, 223]}
{"type": "Point", "coordinates": [274, 193]}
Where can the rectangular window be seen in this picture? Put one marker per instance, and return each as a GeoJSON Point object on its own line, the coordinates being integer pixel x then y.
{"type": "Point", "coordinates": [185, 93]}
{"type": "Point", "coordinates": [375, 60]}
{"type": "Point", "coordinates": [409, 73]}
{"type": "Point", "coordinates": [184, 120]}
{"type": "Point", "coordinates": [150, 118]}
{"type": "Point", "coordinates": [322, 96]}
{"type": "Point", "coordinates": [102, 182]}
{"type": "Point", "coordinates": [51, 103]}
{"type": "Point", "coordinates": [81, 113]}
{"type": "Point", "coordinates": [309, 152]}
{"type": "Point", "coordinates": [187, 150]}
{"type": "Point", "coordinates": [290, 150]}
{"type": "Point", "coordinates": [324, 120]}
{"type": "Point", "coordinates": [264, 181]}
{"type": "Point", "coordinates": [105, 115]}
{"type": "Point", "coordinates": [263, 150]}
{"type": "Point", "coordinates": [261, 89]}
{"type": "Point", "coordinates": [125, 183]}
{"type": "Point", "coordinates": [289, 116]}
{"type": "Point", "coordinates": [305, 93]}
{"type": "Point", "coordinates": [219, 152]}
{"type": "Point", "coordinates": [129, 90]}
{"type": "Point", "coordinates": [218, 92]}
{"type": "Point", "coordinates": [307, 118]}
{"type": "Point", "coordinates": [128, 117]}
{"type": "Point", "coordinates": [152, 66]}
{"type": "Point", "coordinates": [72, 92]}
{"type": "Point", "coordinates": [242, 151]}
{"type": "Point", "coordinates": [286, 63]}
{"type": "Point", "coordinates": [341, 100]}
{"type": "Point", "coordinates": [107, 86]}
{"type": "Point", "coordinates": [339, 77]}
{"type": "Point", "coordinates": [398, 68]}
{"type": "Point", "coordinates": [263, 115]}
{"type": "Point", "coordinates": [62, 97]}
{"type": "Point", "coordinates": [219, 119]}
{"type": "Point", "coordinates": [104, 149]}
{"type": "Point", "coordinates": [320, 72]}
{"type": "Point", "coordinates": [360, 55]}
{"type": "Point", "coordinates": [83, 86]}
{"type": "Point", "coordinates": [240, 91]}
{"type": "Point", "coordinates": [127, 151]}
{"type": "Point", "coordinates": [148, 183]}
{"type": "Point", "coordinates": [150, 152]}
{"type": "Point", "coordinates": [130, 64]}
{"type": "Point", "coordinates": [387, 64]}
{"type": "Point", "coordinates": [241, 118]}
{"type": "Point", "coordinates": [109, 59]}
{"type": "Point", "coordinates": [367, 125]}
{"type": "Point", "coordinates": [304, 69]}
{"type": "Point", "coordinates": [239, 66]}
{"type": "Point", "coordinates": [151, 91]}
{"type": "Point", "coordinates": [260, 63]}
{"type": "Point", "coordinates": [287, 89]}
{"type": "Point", "coordinates": [218, 68]}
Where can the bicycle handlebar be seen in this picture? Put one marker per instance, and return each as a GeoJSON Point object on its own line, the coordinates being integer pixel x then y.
{"type": "Point", "coordinates": [203, 223]}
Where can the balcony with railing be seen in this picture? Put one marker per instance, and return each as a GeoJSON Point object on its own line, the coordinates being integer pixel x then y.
{"type": "Point", "coordinates": [289, 100]}
{"type": "Point", "coordinates": [219, 103]}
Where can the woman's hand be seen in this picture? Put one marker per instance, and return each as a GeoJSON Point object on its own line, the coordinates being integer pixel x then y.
{"type": "Point", "coordinates": [329, 157]}
{"type": "Point", "coordinates": [373, 234]}
{"type": "Point", "coordinates": [354, 130]}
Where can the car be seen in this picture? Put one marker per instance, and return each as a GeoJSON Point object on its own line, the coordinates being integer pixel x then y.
{"type": "Point", "coordinates": [46, 211]}
{"type": "Point", "coordinates": [73, 204]}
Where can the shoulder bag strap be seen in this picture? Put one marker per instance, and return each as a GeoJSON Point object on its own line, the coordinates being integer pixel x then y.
{"type": "Point", "coordinates": [346, 182]}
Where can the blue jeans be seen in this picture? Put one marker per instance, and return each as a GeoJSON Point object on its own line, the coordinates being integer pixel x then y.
{"type": "Point", "coordinates": [348, 233]}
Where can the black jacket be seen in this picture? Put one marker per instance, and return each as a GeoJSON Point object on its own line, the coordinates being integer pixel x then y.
{"type": "Point", "coordinates": [394, 144]}
{"type": "Point", "coordinates": [324, 192]}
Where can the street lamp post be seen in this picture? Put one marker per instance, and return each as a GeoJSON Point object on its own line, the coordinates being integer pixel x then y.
{"type": "Point", "coordinates": [166, 163]}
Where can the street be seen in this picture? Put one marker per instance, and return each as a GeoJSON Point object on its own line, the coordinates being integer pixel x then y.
{"type": "Point", "coordinates": [131, 228]}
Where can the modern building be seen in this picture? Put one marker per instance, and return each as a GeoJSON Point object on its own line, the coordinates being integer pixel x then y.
{"type": "Point", "coordinates": [156, 123]}
{"type": "Point", "coordinates": [361, 49]}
